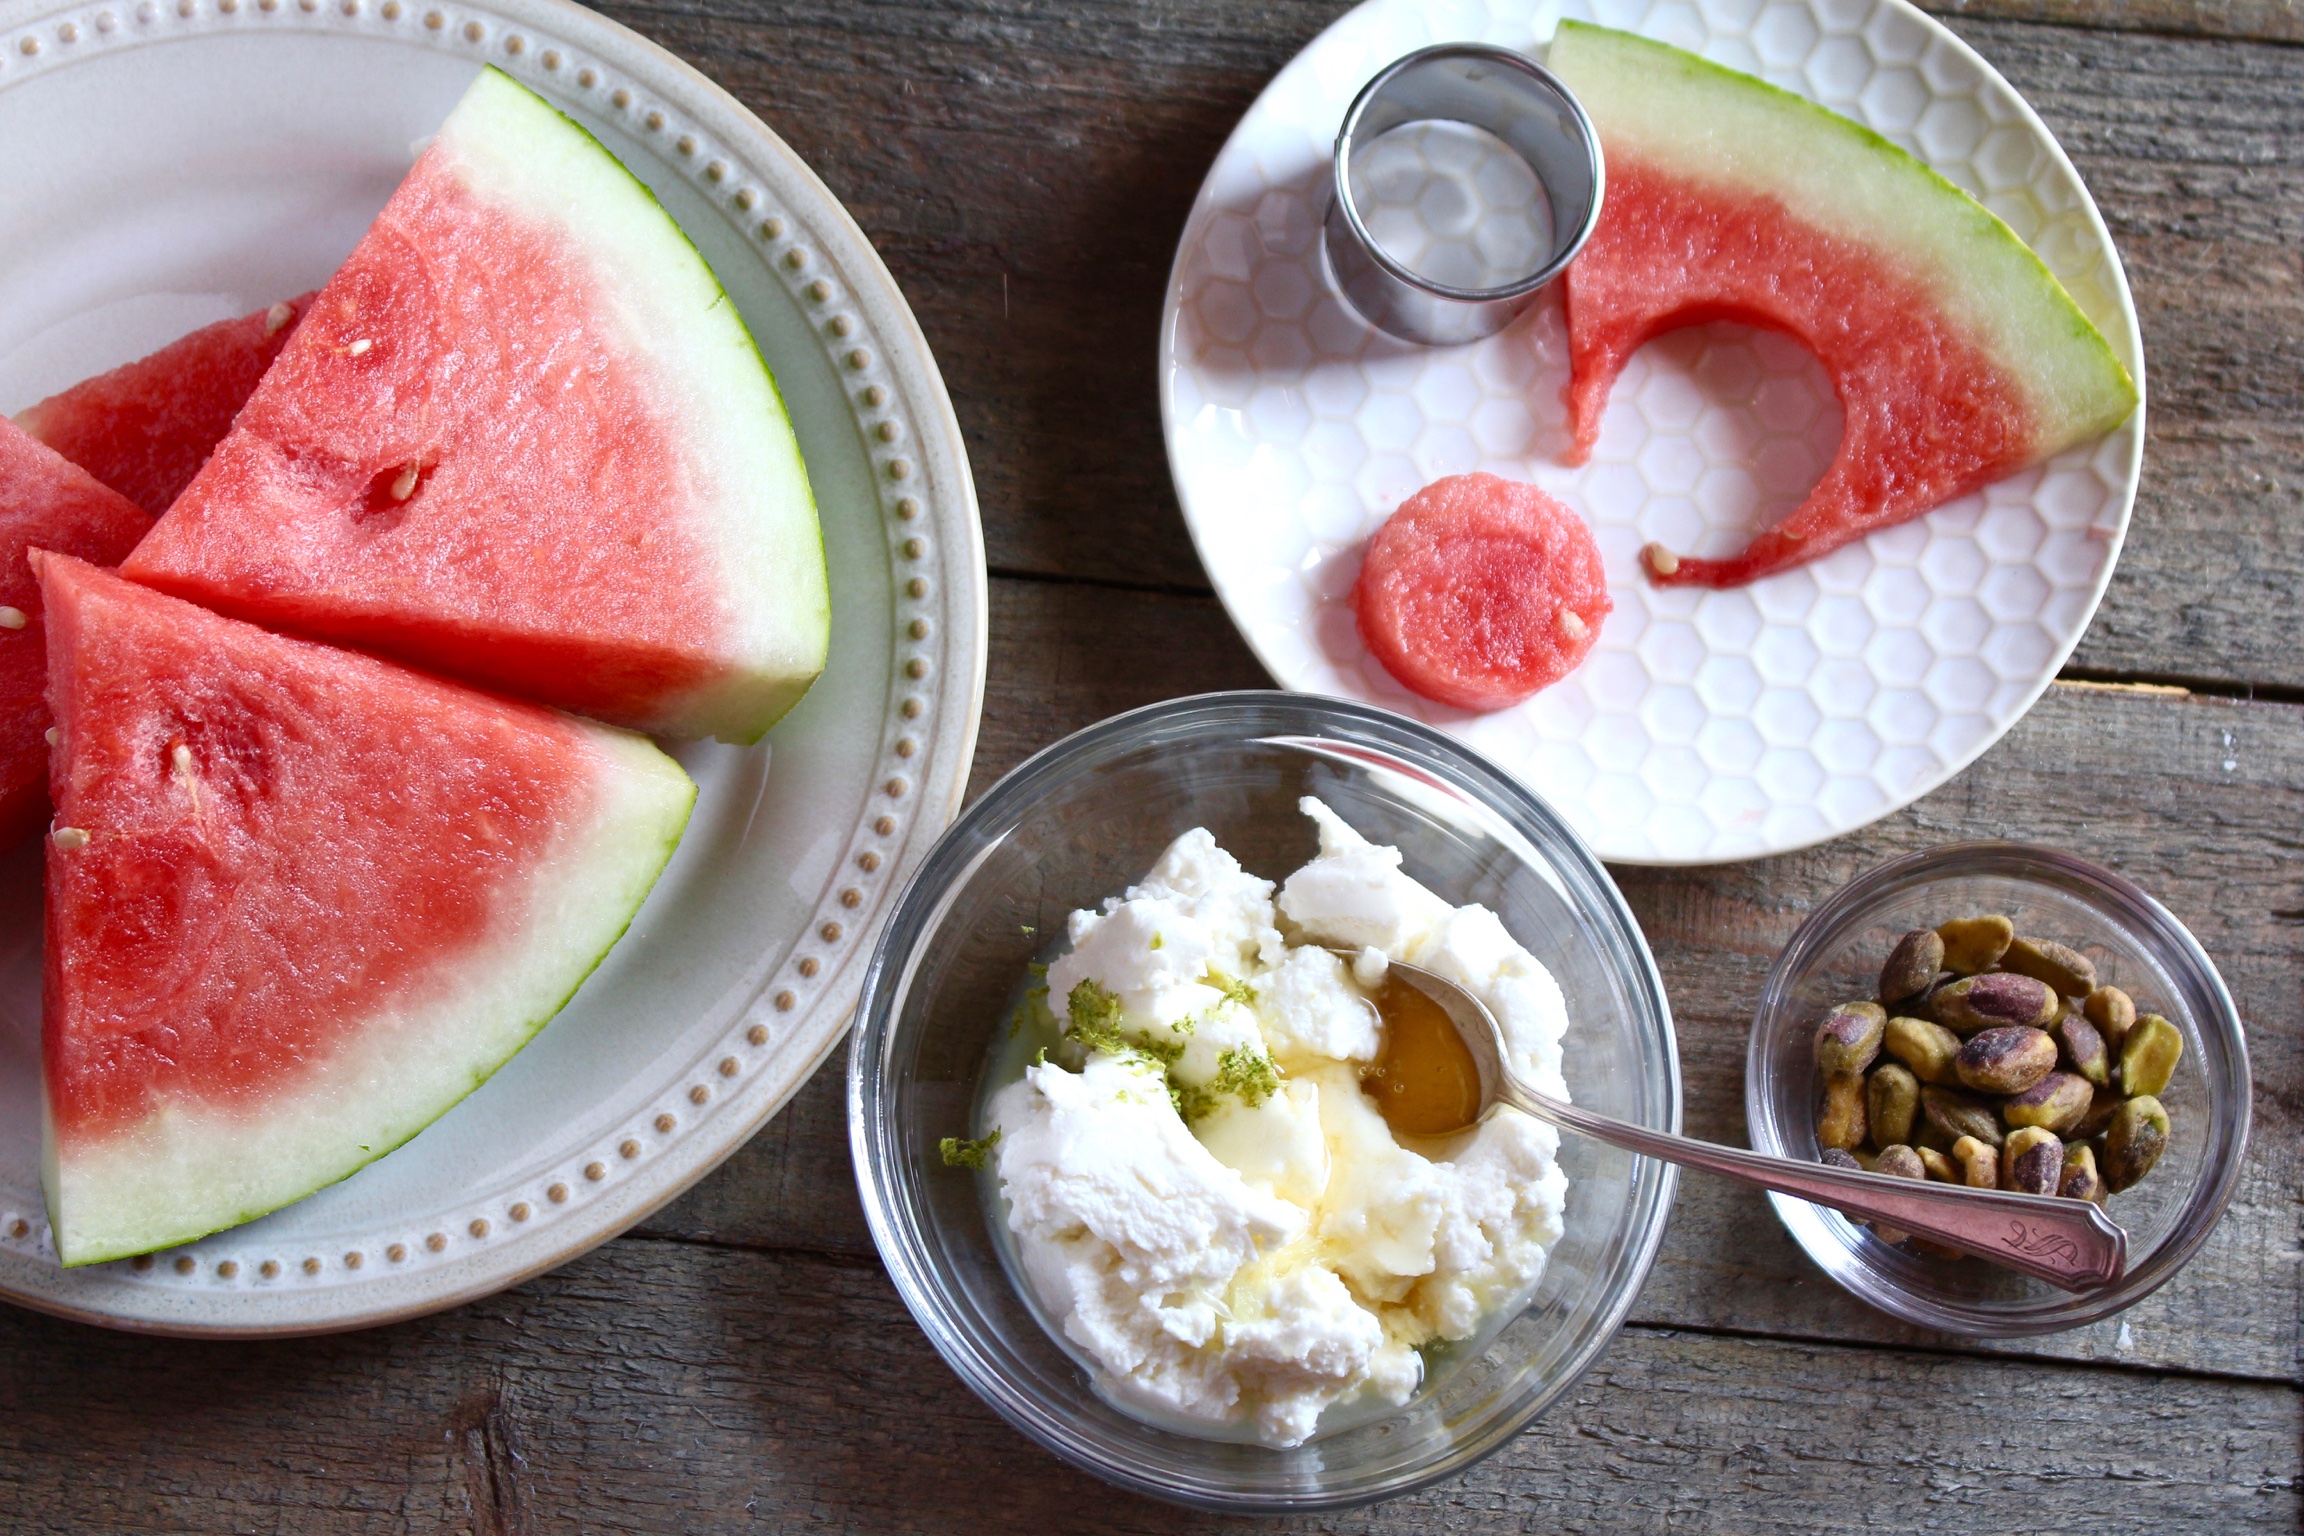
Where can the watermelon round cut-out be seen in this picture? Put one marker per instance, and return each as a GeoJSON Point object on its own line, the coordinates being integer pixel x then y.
{"type": "Point", "coordinates": [1957, 356]}
{"type": "Point", "coordinates": [1480, 591]}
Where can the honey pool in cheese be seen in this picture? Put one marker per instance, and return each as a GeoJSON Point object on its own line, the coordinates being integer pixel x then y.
{"type": "Point", "coordinates": [1202, 1194]}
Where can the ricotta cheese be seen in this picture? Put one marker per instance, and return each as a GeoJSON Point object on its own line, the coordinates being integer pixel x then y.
{"type": "Point", "coordinates": [1202, 1196]}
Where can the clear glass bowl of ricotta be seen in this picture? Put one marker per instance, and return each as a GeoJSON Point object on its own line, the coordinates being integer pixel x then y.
{"type": "Point", "coordinates": [1085, 820]}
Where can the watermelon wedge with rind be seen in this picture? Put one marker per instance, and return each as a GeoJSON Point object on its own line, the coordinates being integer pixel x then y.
{"type": "Point", "coordinates": [46, 502]}
{"type": "Point", "coordinates": [300, 903]}
{"type": "Point", "coordinates": [1958, 357]}
{"type": "Point", "coordinates": [523, 438]}
{"type": "Point", "coordinates": [145, 428]}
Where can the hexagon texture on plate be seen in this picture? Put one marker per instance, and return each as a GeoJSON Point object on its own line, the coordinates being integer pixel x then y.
{"type": "Point", "coordinates": [1705, 725]}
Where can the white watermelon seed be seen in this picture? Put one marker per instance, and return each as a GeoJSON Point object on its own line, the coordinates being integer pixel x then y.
{"type": "Point", "coordinates": [53, 736]}
{"type": "Point", "coordinates": [360, 347]}
{"type": "Point", "coordinates": [13, 618]}
{"type": "Point", "coordinates": [277, 317]}
{"type": "Point", "coordinates": [180, 756]}
{"type": "Point", "coordinates": [1571, 625]}
{"type": "Point", "coordinates": [404, 485]}
{"type": "Point", "coordinates": [1659, 559]}
{"type": "Point", "coordinates": [69, 839]}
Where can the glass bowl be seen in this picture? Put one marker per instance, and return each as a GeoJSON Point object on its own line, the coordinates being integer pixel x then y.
{"type": "Point", "coordinates": [2136, 944]}
{"type": "Point", "coordinates": [1083, 820]}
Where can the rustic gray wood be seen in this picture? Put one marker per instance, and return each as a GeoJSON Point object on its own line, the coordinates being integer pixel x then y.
{"type": "Point", "coordinates": [740, 1361]}
{"type": "Point", "coordinates": [661, 1387]}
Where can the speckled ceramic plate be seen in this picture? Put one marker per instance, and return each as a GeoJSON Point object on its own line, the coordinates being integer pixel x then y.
{"type": "Point", "coordinates": [1705, 725]}
{"type": "Point", "coordinates": [176, 161]}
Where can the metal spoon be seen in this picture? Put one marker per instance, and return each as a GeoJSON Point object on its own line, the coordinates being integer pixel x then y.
{"type": "Point", "coordinates": [2069, 1243]}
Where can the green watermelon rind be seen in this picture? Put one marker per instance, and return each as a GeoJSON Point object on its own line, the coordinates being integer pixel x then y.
{"type": "Point", "coordinates": [541, 158]}
{"type": "Point", "coordinates": [1707, 122]}
{"type": "Point", "coordinates": [667, 797]}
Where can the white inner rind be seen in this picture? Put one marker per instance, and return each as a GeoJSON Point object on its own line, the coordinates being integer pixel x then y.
{"type": "Point", "coordinates": [753, 514]}
{"type": "Point", "coordinates": [1700, 121]}
{"type": "Point", "coordinates": [192, 1168]}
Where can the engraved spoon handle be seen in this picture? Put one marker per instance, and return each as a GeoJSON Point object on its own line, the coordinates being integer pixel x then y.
{"type": "Point", "coordinates": [2068, 1243]}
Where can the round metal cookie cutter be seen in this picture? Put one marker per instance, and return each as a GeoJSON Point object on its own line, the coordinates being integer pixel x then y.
{"type": "Point", "coordinates": [1501, 93]}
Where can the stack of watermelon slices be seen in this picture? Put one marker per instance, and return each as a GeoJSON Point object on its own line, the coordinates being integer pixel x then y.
{"type": "Point", "coordinates": [303, 899]}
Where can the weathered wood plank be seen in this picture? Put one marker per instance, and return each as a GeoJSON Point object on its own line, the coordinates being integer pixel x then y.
{"type": "Point", "coordinates": [2280, 21]}
{"type": "Point", "coordinates": [2138, 782]}
{"type": "Point", "coordinates": [670, 1387]}
{"type": "Point", "coordinates": [1026, 173]}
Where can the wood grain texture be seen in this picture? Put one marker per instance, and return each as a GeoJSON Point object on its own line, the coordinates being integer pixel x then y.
{"type": "Point", "coordinates": [1080, 134]}
{"type": "Point", "coordinates": [659, 1387]}
{"type": "Point", "coordinates": [2160, 803]}
{"type": "Point", "coordinates": [2278, 21]}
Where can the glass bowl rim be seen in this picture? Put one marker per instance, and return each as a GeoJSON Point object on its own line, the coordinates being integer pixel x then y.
{"type": "Point", "coordinates": [2231, 1112]}
{"type": "Point", "coordinates": [896, 1227]}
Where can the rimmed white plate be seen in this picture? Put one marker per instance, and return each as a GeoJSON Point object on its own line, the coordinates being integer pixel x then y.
{"type": "Point", "coordinates": [176, 161]}
{"type": "Point", "coordinates": [1706, 725]}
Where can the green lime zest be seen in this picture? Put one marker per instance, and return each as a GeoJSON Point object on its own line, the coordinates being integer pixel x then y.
{"type": "Point", "coordinates": [967, 1154]}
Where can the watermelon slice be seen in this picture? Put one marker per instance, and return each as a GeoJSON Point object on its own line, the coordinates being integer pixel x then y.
{"type": "Point", "coordinates": [146, 427]}
{"type": "Point", "coordinates": [524, 439]}
{"type": "Point", "coordinates": [46, 502]}
{"type": "Point", "coordinates": [1957, 356]}
{"type": "Point", "coordinates": [1480, 591]}
{"type": "Point", "coordinates": [300, 902]}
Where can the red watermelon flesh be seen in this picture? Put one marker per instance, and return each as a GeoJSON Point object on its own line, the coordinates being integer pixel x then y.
{"type": "Point", "coordinates": [522, 438]}
{"type": "Point", "coordinates": [146, 427]}
{"type": "Point", "coordinates": [300, 902]}
{"type": "Point", "coordinates": [1957, 356]}
{"type": "Point", "coordinates": [1480, 591]}
{"type": "Point", "coordinates": [1928, 416]}
{"type": "Point", "coordinates": [46, 502]}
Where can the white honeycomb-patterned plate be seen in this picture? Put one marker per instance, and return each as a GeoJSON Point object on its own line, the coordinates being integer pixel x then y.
{"type": "Point", "coordinates": [175, 161]}
{"type": "Point", "coordinates": [1705, 726]}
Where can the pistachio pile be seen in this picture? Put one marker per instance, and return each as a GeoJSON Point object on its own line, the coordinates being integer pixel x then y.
{"type": "Point", "coordinates": [1998, 1062]}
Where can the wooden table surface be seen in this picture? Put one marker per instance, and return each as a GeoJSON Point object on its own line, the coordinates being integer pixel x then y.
{"type": "Point", "coordinates": [740, 1361]}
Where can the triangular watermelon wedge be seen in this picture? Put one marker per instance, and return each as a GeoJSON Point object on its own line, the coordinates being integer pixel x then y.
{"type": "Point", "coordinates": [523, 438]}
{"type": "Point", "coordinates": [146, 427]}
{"type": "Point", "coordinates": [1958, 357]}
{"type": "Point", "coordinates": [46, 502]}
{"type": "Point", "coordinates": [300, 902]}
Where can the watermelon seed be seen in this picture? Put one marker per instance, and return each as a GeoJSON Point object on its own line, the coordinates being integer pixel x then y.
{"type": "Point", "coordinates": [1571, 625]}
{"type": "Point", "coordinates": [13, 618]}
{"type": "Point", "coordinates": [277, 317]}
{"type": "Point", "coordinates": [404, 484]}
{"type": "Point", "coordinates": [557, 1194]}
{"type": "Point", "coordinates": [68, 839]}
{"type": "Point", "coordinates": [1659, 560]}
{"type": "Point", "coordinates": [53, 736]}
{"type": "Point", "coordinates": [359, 348]}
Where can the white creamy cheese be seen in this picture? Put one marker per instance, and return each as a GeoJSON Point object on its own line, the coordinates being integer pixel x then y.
{"type": "Point", "coordinates": [1210, 1205]}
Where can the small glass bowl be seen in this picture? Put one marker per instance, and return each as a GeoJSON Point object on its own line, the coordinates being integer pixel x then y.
{"type": "Point", "coordinates": [2137, 946]}
{"type": "Point", "coordinates": [1085, 819]}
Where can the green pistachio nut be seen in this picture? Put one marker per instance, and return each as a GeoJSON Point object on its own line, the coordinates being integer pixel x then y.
{"type": "Point", "coordinates": [2133, 1142]}
{"type": "Point", "coordinates": [1959, 1114]}
{"type": "Point", "coordinates": [1849, 1038]}
{"type": "Point", "coordinates": [2032, 1162]}
{"type": "Point", "coordinates": [2102, 1106]}
{"type": "Point", "coordinates": [1924, 1046]}
{"type": "Point", "coordinates": [1898, 1162]}
{"type": "Point", "coordinates": [2148, 1056]}
{"type": "Point", "coordinates": [1891, 1104]}
{"type": "Point", "coordinates": [1994, 1000]}
{"type": "Point", "coordinates": [1973, 944]}
{"type": "Point", "coordinates": [1978, 1161]}
{"type": "Point", "coordinates": [2055, 1103]}
{"type": "Point", "coordinates": [2070, 972]}
{"type": "Point", "coordinates": [1912, 965]}
{"type": "Point", "coordinates": [2080, 1045]}
{"type": "Point", "coordinates": [2008, 1059]}
{"type": "Point", "coordinates": [2112, 1011]}
{"type": "Point", "coordinates": [1840, 1122]}
{"type": "Point", "coordinates": [2080, 1180]}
